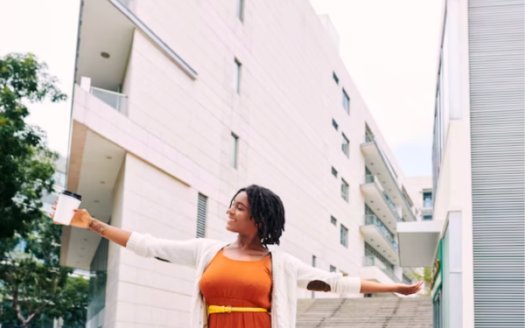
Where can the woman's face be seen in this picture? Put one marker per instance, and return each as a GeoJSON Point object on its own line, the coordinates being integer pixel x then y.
{"type": "Point", "coordinates": [239, 216]}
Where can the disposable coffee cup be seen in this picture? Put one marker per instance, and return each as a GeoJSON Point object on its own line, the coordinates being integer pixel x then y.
{"type": "Point", "coordinates": [68, 202]}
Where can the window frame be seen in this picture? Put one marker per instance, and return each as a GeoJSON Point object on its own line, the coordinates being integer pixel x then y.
{"type": "Point", "coordinates": [346, 102]}
{"type": "Point", "coordinates": [234, 156]}
{"type": "Point", "coordinates": [345, 146]}
{"type": "Point", "coordinates": [240, 10]}
{"type": "Point", "coordinates": [237, 76]}
{"type": "Point", "coordinates": [345, 240]}
{"type": "Point", "coordinates": [345, 196]}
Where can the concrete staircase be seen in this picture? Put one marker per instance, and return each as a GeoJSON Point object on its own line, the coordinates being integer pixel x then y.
{"type": "Point", "coordinates": [381, 312]}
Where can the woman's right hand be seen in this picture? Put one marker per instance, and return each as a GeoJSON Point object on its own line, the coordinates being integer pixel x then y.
{"type": "Point", "coordinates": [81, 218]}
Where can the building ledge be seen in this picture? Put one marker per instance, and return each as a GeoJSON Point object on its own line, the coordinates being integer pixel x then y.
{"type": "Point", "coordinates": [418, 242]}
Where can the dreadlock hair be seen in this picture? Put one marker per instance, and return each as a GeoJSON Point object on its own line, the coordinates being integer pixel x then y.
{"type": "Point", "coordinates": [268, 212]}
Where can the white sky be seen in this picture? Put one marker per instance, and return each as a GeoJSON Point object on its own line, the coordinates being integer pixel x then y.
{"type": "Point", "coordinates": [389, 48]}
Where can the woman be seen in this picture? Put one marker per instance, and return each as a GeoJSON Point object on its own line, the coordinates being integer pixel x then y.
{"type": "Point", "coordinates": [242, 284]}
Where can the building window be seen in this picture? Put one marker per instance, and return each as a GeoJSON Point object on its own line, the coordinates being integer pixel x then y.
{"type": "Point", "coordinates": [332, 268]}
{"type": "Point", "coordinates": [201, 216]}
{"type": "Point", "coordinates": [235, 150]}
{"type": "Point", "coordinates": [346, 102]}
{"type": "Point", "coordinates": [344, 236]}
{"type": "Point", "coordinates": [427, 199]}
{"type": "Point", "coordinates": [427, 217]}
{"type": "Point", "coordinates": [346, 146]}
{"type": "Point", "coordinates": [336, 79]}
{"type": "Point", "coordinates": [237, 76]}
{"type": "Point", "coordinates": [344, 189]}
{"type": "Point", "coordinates": [240, 10]}
{"type": "Point", "coordinates": [334, 172]}
{"type": "Point", "coordinates": [333, 220]}
{"type": "Point", "coordinates": [334, 124]}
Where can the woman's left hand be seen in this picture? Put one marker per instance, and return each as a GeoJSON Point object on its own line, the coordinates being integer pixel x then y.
{"type": "Point", "coordinates": [409, 289]}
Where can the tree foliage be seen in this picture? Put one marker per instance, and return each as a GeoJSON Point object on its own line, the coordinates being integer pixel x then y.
{"type": "Point", "coordinates": [26, 164]}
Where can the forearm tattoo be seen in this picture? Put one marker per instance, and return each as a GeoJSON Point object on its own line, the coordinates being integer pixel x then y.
{"type": "Point", "coordinates": [98, 227]}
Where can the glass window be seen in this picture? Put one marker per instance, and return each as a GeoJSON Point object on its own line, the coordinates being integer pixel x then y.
{"type": "Point", "coordinates": [427, 199]}
{"type": "Point", "coordinates": [237, 76]}
{"type": "Point", "coordinates": [346, 102]}
{"type": "Point", "coordinates": [332, 268]}
{"type": "Point", "coordinates": [333, 220]}
{"type": "Point", "coordinates": [344, 189]}
{"type": "Point", "coordinates": [334, 124]}
{"type": "Point", "coordinates": [201, 215]}
{"type": "Point", "coordinates": [336, 79]}
{"type": "Point", "coordinates": [313, 260]}
{"type": "Point", "coordinates": [235, 149]}
{"type": "Point", "coordinates": [334, 172]}
{"type": "Point", "coordinates": [346, 146]}
{"type": "Point", "coordinates": [427, 217]}
{"type": "Point", "coordinates": [240, 10]}
{"type": "Point", "coordinates": [344, 236]}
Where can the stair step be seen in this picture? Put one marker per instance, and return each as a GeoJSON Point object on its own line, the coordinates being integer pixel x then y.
{"type": "Point", "coordinates": [385, 312]}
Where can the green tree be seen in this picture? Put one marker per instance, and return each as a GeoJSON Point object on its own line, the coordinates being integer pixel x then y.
{"type": "Point", "coordinates": [35, 288]}
{"type": "Point", "coordinates": [426, 276]}
{"type": "Point", "coordinates": [26, 164]}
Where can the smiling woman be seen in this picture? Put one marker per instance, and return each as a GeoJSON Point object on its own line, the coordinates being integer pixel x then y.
{"type": "Point", "coordinates": [242, 283]}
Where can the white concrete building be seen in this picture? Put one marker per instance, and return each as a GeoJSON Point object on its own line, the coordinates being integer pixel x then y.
{"type": "Point", "coordinates": [476, 241]}
{"type": "Point", "coordinates": [179, 104]}
{"type": "Point", "coordinates": [421, 188]}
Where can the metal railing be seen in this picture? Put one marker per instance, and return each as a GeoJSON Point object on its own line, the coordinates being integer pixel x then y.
{"type": "Point", "coordinates": [368, 137]}
{"type": "Point", "coordinates": [374, 220]}
{"type": "Point", "coordinates": [369, 178]}
{"type": "Point", "coordinates": [369, 261]}
{"type": "Point", "coordinates": [116, 100]}
{"type": "Point", "coordinates": [393, 174]}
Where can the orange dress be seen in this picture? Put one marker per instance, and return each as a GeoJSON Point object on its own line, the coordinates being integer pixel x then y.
{"type": "Point", "coordinates": [239, 284]}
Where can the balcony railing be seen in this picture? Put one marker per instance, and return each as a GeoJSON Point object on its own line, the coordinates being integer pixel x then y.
{"type": "Point", "coordinates": [369, 178]}
{"type": "Point", "coordinates": [374, 220]}
{"type": "Point", "coordinates": [116, 100]}
{"type": "Point", "coordinates": [369, 261]}
{"type": "Point", "coordinates": [368, 137]}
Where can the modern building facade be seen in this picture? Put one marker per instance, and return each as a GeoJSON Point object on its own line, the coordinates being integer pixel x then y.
{"type": "Point", "coordinates": [179, 104]}
{"type": "Point", "coordinates": [476, 241]}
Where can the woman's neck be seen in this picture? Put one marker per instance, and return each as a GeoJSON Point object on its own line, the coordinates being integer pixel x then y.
{"type": "Point", "coordinates": [245, 242]}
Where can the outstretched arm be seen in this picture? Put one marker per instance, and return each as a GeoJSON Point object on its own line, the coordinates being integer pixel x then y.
{"type": "Point", "coordinates": [370, 287]}
{"type": "Point", "coordinates": [174, 251]}
{"type": "Point", "coordinates": [83, 220]}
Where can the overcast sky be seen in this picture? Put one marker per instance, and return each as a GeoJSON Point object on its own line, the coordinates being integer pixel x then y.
{"type": "Point", "coordinates": [389, 48]}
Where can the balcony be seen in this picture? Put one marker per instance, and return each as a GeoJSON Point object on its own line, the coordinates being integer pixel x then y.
{"type": "Point", "coordinates": [380, 203]}
{"type": "Point", "coordinates": [372, 261]}
{"type": "Point", "coordinates": [380, 167]}
{"type": "Point", "coordinates": [380, 238]}
{"type": "Point", "coordinates": [116, 100]}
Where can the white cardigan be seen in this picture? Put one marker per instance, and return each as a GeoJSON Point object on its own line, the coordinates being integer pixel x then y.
{"type": "Point", "coordinates": [288, 273]}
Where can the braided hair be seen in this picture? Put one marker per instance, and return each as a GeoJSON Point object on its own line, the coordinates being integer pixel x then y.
{"type": "Point", "coordinates": [268, 212]}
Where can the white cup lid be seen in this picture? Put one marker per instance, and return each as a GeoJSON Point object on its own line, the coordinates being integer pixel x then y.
{"type": "Point", "coordinates": [72, 194]}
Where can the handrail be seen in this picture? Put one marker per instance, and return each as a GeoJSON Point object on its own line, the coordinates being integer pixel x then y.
{"type": "Point", "coordinates": [374, 220]}
{"type": "Point", "coordinates": [369, 261]}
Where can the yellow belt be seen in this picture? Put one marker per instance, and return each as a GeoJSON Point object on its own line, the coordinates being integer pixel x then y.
{"type": "Point", "coordinates": [229, 309]}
